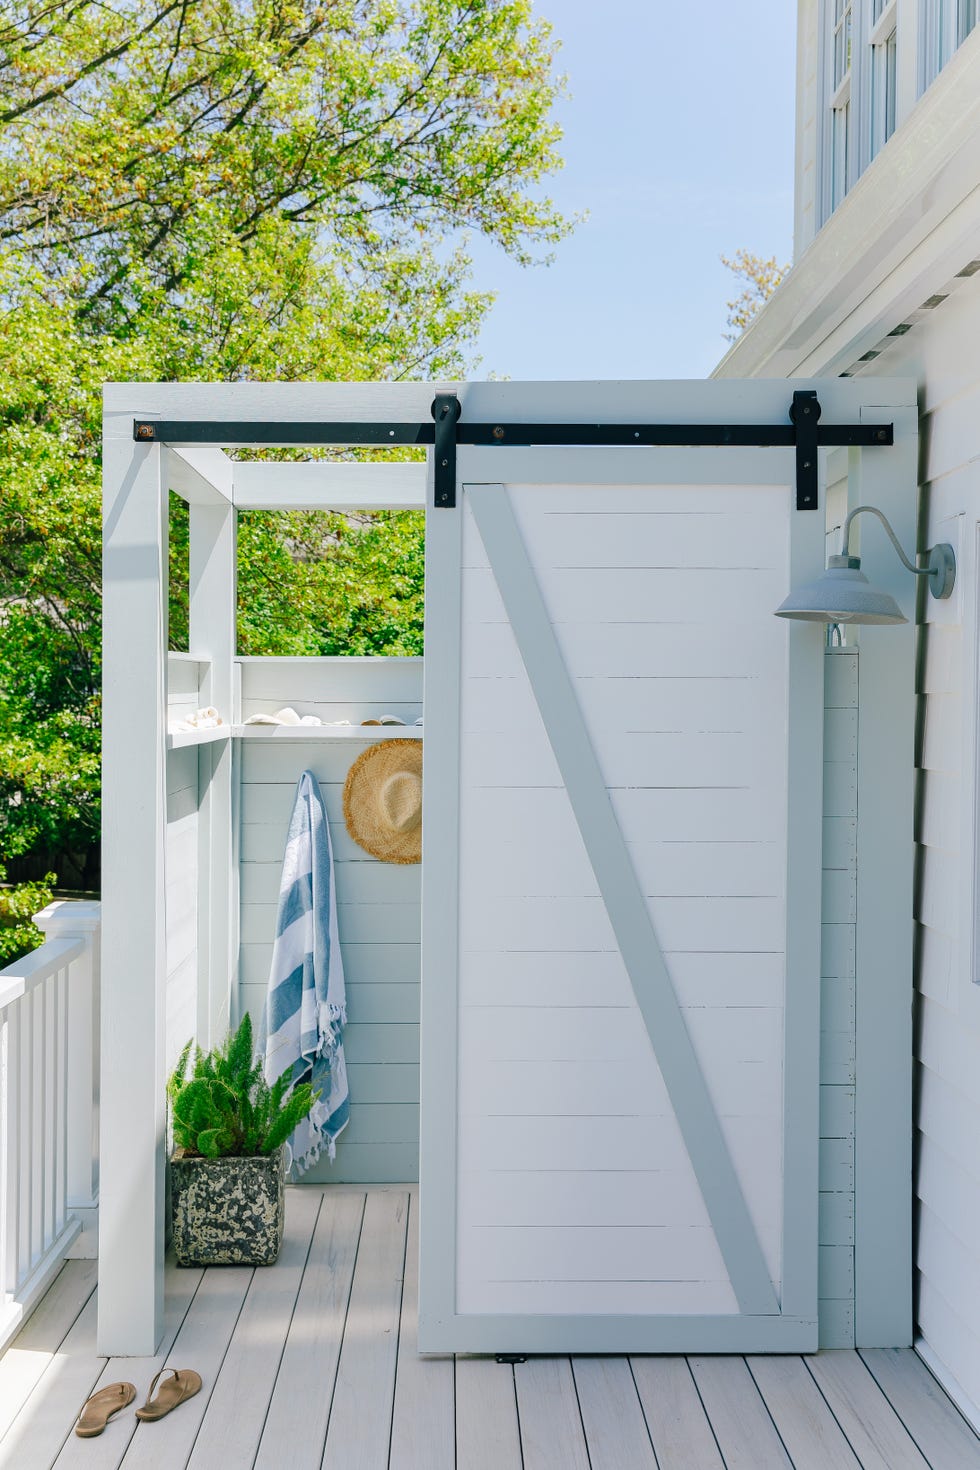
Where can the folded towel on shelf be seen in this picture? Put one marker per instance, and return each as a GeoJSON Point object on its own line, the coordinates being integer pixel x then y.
{"type": "Point", "coordinates": [390, 720]}
{"type": "Point", "coordinates": [202, 719]}
{"type": "Point", "coordinates": [306, 1006]}
{"type": "Point", "coordinates": [288, 716]}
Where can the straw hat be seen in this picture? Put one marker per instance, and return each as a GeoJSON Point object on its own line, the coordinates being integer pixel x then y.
{"type": "Point", "coordinates": [383, 801]}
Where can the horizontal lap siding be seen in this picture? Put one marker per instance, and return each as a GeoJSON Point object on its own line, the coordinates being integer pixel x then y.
{"type": "Point", "coordinates": [184, 678]}
{"type": "Point", "coordinates": [378, 903]}
{"type": "Point", "coordinates": [941, 354]}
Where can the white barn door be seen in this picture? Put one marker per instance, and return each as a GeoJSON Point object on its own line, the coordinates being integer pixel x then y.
{"type": "Point", "coordinates": [621, 906]}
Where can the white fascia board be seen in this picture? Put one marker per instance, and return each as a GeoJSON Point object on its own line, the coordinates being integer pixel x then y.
{"type": "Point", "coordinates": [908, 225]}
{"type": "Point", "coordinates": [631, 401]}
{"type": "Point", "coordinates": [326, 485]}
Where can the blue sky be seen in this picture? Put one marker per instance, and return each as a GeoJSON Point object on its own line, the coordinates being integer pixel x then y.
{"type": "Point", "coordinates": [679, 143]}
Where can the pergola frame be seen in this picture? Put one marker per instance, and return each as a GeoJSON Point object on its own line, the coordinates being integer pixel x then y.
{"type": "Point", "coordinates": [137, 478]}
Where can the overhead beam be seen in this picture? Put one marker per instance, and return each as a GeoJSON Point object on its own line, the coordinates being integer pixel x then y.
{"type": "Point", "coordinates": [322, 485]}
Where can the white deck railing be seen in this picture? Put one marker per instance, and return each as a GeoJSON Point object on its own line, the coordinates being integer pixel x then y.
{"type": "Point", "coordinates": [49, 1026]}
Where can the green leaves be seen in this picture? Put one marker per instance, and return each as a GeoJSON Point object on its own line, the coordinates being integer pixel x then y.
{"type": "Point", "coordinates": [144, 140]}
{"type": "Point", "coordinates": [310, 583]}
{"type": "Point", "coordinates": [18, 905]}
{"type": "Point", "coordinates": [221, 190]}
{"type": "Point", "coordinates": [225, 1107]}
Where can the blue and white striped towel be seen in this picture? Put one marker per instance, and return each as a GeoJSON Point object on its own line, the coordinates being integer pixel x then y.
{"type": "Point", "coordinates": [306, 1005]}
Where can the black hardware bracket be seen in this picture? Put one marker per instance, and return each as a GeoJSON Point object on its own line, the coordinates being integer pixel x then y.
{"type": "Point", "coordinates": [804, 432]}
{"type": "Point", "coordinates": [805, 413]}
{"type": "Point", "coordinates": [446, 409]}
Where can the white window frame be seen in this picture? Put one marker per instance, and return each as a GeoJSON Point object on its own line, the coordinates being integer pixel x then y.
{"type": "Point", "coordinates": [839, 166]}
{"type": "Point", "coordinates": [943, 26]}
{"type": "Point", "coordinates": [883, 39]}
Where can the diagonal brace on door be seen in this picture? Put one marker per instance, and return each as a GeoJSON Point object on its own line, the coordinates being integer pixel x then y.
{"type": "Point", "coordinates": [624, 900]}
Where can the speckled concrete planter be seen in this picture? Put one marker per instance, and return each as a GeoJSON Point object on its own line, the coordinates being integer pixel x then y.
{"type": "Point", "coordinates": [228, 1212]}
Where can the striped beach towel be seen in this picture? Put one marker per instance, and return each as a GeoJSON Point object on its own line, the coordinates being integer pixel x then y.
{"type": "Point", "coordinates": [306, 1005]}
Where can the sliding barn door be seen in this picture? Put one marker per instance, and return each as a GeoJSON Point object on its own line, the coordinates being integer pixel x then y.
{"type": "Point", "coordinates": [621, 891]}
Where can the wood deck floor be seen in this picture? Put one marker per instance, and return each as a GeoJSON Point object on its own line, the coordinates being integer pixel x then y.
{"type": "Point", "coordinates": [312, 1363]}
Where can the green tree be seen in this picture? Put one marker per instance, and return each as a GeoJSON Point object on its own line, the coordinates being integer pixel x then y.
{"type": "Point", "coordinates": [759, 280]}
{"type": "Point", "coordinates": [229, 189]}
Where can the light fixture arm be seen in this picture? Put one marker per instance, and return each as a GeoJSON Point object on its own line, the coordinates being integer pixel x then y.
{"type": "Point", "coordinates": [941, 568]}
{"type": "Point", "coordinates": [873, 510]}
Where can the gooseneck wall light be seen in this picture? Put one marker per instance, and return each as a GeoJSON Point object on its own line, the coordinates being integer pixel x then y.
{"type": "Point", "coordinates": [844, 595]}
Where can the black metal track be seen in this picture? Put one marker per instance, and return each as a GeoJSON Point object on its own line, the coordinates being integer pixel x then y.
{"type": "Point", "coordinates": [447, 431]}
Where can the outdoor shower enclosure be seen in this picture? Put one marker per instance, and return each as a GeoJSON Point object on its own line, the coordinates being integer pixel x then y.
{"type": "Point", "coordinates": [665, 974]}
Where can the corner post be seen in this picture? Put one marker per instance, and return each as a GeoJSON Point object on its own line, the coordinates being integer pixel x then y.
{"type": "Point", "coordinates": [885, 855]}
{"type": "Point", "coordinates": [132, 1109]}
{"type": "Point", "coordinates": [213, 637]}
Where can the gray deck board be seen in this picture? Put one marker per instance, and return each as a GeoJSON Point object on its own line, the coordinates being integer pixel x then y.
{"type": "Point", "coordinates": [552, 1437]}
{"type": "Point", "coordinates": [423, 1431]}
{"type": "Point", "coordinates": [312, 1362]}
{"type": "Point", "coordinates": [942, 1434]}
{"type": "Point", "coordinates": [296, 1424]}
{"type": "Point", "coordinates": [359, 1432]}
{"type": "Point", "coordinates": [812, 1437]}
{"type": "Point", "coordinates": [743, 1427]}
{"type": "Point", "coordinates": [679, 1427]}
{"type": "Point", "coordinates": [877, 1434]}
{"type": "Point", "coordinates": [615, 1430]}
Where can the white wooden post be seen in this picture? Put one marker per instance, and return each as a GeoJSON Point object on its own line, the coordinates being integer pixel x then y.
{"type": "Point", "coordinates": [133, 1114]}
{"type": "Point", "coordinates": [213, 637]}
{"type": "Point", "coordinates": [886, 775]}
{"type": "Point", "coordinates": [59, 921]}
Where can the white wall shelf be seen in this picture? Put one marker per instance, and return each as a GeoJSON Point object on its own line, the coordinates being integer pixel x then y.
{"type": "Point", "coordinates": [177, 739]}
{"type": "Point", "coordinates": [327, 732]}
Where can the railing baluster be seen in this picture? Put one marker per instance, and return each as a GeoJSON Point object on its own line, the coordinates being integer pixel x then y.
{"type": "Point", "coordinates": [48, 1101]}
{"type": "Point", "coordinates": [62, 980]}
{"type": "Point", "coordinates": [46, 1162]}
{"type": "Point", "coordinates": [8, 1223]}
{"type": "Point", "coordinates": [36, 1164]}
{"type": "Point", "coordinates": [24, 1140]}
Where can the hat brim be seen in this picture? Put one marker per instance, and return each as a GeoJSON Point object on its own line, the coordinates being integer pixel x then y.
{"type": "Point", "coordinates": [361, 814]}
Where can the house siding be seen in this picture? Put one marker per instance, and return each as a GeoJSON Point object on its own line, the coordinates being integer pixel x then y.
{"type": "Point", "coordinates": [940, 352]}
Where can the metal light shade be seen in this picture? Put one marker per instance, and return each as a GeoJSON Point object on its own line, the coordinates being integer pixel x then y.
{"type": "Point", "coordinates": [842, 595]}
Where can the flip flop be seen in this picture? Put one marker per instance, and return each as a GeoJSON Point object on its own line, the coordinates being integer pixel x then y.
{"type": "Point", "coordinates": [184, 1385]}
{"type": "Point", "coordinates": [100, 1408]}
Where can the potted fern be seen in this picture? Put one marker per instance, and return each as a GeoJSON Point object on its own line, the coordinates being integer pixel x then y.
{"type": "Point", "coordinates": [228, 1172]}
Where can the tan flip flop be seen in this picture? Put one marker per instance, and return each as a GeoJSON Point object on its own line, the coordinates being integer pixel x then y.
{"type": "Point", "coordinates": [184, 1385]}
{"type": "Point", "coordinates": [100, 1408]}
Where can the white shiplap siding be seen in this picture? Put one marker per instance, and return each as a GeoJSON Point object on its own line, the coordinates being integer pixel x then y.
{"type": "Point", "coordinates": [378, 903]}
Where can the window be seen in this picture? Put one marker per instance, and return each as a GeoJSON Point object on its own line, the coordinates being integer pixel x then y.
{"type": "Point", "coordinates": [842, 41]}
{"type": "Point", "coordinates": [945, 25]}
{"type": "Point", "coordinates": [884, 72]}
{"type": "Point", "coordinates": [842, 141]}
{"type": "Point", "coordinates": [839, 179]}
{"type": "Point", "coordinates": [860, 77]}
